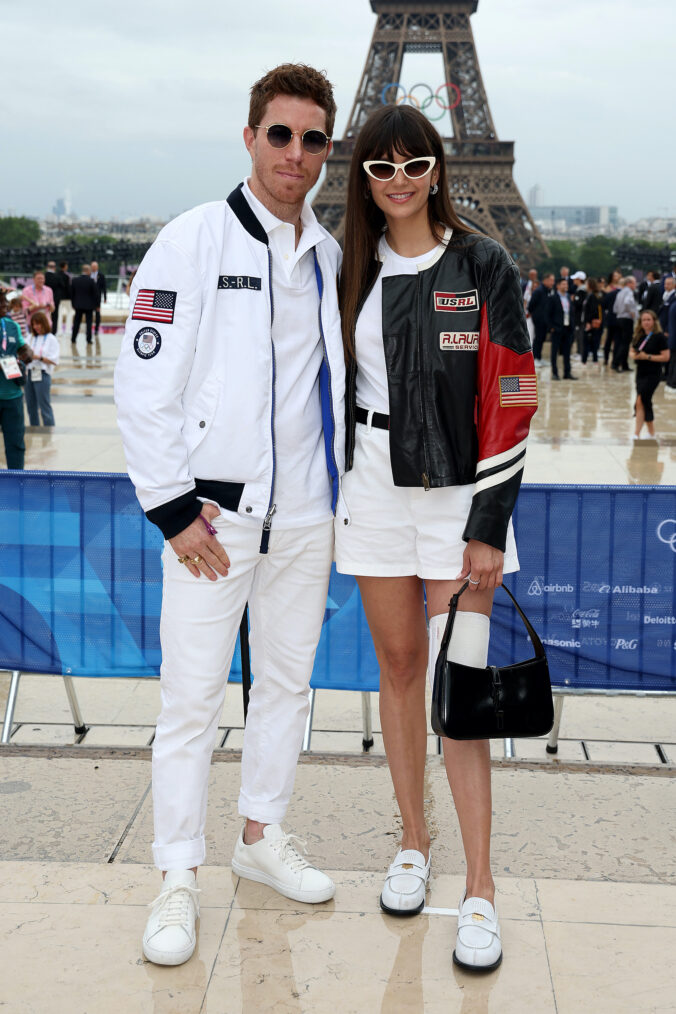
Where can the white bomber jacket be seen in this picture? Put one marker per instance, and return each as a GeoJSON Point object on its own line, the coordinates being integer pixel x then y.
{"type": "Point", "coordinates": [195, 379]}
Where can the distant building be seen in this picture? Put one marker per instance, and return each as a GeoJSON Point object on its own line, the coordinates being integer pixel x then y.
{"type": "Point", "coordinates": [555, 217]}
{"type": "Point", "coordinates": [59, 208]}
{"type": "Point", "coordinates": [536, 197]}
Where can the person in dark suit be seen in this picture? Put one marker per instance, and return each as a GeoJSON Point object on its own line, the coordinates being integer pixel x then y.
{"type": "Point", "coordinates": [648, 292]}
{"type": "Point", "coordinates": [50, 276]}
{"type": "Point", "coordinates": [85, 298]}
{"type": "Point", "coordinates": [667, 298]}
{"type": "Point", "coordinates": [100, 280]}
{"type": "Point", "coordinates": [560, 324]}
{"type": "Point", "coordinates": [537, 308]}
{"type": "Point", "coordinates": [61, 289]}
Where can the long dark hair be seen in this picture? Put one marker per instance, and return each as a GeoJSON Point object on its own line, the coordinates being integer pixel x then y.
{"type": "Point", "coordinates": [390, 130]}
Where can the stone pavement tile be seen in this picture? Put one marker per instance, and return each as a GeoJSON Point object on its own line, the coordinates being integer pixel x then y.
{"type": "Point", "coordinates": [566, 825]}
{"type": "Point", "coordinates": [119, 735]}
{"type": "Point", "coordinates": [605, 902]}
{"type": "Point", "coordinates": [42, 698]}
{"type": "Point", "coordinates": [648, 719]}
{"type": "Point", "coordinates": [536, 749]}
{"type": "Point", "coordinates": [53, 883]}
{"type": "Point", "coordinates": [68, 809]}
{"type": "Point", "coordinates": [358, 891]}
{"type": "Point", "coordinates": [75, 959]}
{"type": "Point", "coordinates": [45, 734]}
{"type": "Point", "coordinates": [614, 969]}
{"type": "Point", "coordinates": [326, 962]}
{"type": "Point", "coordinates": [323, 962]}
{"type": "Point", "coordinates": [622, 753]}
{"type": "Point", "coordinates": [340, 709]}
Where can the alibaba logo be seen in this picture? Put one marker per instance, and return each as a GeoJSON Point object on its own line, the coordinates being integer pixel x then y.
{"type": "Point", "coordinates": [666, 532]}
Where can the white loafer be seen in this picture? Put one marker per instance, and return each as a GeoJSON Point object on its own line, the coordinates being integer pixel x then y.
{"type": "Point", "coordinates": [478, 947]}
{"type": "Point", "coordinates": [406, 883]}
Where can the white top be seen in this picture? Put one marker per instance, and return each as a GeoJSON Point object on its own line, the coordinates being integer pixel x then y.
{"type": "Point", "coordinates": [44, 345]}
{"type": "Point", "coordinates": [372, 389]}
{"type": "Point", "coordinates": [302, 491]}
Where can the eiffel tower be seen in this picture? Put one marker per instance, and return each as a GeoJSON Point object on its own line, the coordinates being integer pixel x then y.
{"type": "Point", "coordinates": [479, 165]}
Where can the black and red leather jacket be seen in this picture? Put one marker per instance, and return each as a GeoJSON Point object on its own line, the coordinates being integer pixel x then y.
{"type": "Point", "coordinates": [461, 379]}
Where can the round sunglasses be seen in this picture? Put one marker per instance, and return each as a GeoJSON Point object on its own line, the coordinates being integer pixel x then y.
{"type": "Point", "coordinates": [414, 169]}
{"type": "Point", "coordinates": [279, 136]}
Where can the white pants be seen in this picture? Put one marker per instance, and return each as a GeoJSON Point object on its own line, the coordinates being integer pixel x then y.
{"type": "Point", "coordinates": [286, 590]}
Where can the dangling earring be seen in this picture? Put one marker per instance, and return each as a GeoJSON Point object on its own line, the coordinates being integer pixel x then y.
{"type": "Point", "coordinates": [367, 192]}
{"type": "Point", "coordinates": [434, 190]}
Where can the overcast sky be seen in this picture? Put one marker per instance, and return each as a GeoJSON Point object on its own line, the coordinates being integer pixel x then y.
{"type": "Point", "coordinates": [138, 107]}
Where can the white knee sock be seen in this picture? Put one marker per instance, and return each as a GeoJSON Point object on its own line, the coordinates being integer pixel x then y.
{"type": "Point", "coordinates": [469, 640]}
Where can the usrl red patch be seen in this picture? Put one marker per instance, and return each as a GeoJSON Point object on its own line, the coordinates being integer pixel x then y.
{"type": "Point", "coordinates": [456, 302]}
{"type": "Point", "coordinates": [459, 341]}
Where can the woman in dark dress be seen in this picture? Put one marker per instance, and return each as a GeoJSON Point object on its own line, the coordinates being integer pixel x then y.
{"type": "Point", "coordinates": [593, 321]}
{"type": "Point", "coordinates": [649, 350]}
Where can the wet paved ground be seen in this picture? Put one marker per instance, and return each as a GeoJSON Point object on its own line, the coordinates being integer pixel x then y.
{"type": "Point", "coordinates": [583, 844]}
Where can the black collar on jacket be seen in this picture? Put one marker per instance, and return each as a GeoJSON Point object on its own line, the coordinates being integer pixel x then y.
{"type": "Point", "coordinates": [245, 215]}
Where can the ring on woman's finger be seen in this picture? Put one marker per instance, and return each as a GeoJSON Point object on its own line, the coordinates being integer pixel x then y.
{"type": "Point", "coordinates": [196, 559]}
{"type": "Point", "coordinates": [474, 582]}
{"type": "Point", "coordinates": [183, 559]}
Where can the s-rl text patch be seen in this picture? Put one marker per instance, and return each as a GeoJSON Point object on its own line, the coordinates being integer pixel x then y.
{"type": "Point", "coordinates": [456, 302]}
{"type": "Point", "coordinates": [459, 341]}
{"type": "Point", "coordinates": [520, 390]}
{"type": "Point", "coordinates": [239, 282]}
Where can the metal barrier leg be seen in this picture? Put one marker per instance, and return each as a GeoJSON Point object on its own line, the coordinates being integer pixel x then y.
{"type": "Point", "coordinates": [78, 722]}
{"type": "Point", "coordinates": [11, 704]}
{"type": "Point", "coordinates": [553, 741]}
{"type": "Point", "coordinates": [367, 737]}
{"type": "Point", "coordinates": [510, 750]}
{"type": "Point", "coordinates": [308, 724]}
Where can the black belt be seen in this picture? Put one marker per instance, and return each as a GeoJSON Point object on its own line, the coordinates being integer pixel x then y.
{"type": "Point", "coordinates": [378, 419]}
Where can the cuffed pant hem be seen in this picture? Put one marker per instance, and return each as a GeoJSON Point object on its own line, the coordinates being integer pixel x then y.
{"type": "Point", "coordinates": [181, 855]}
{"type": "Point", "coordinates": [260, 813]}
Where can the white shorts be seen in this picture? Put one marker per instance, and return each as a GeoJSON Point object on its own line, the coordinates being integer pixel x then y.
{"type": "Point", "coordinates": [385, 530]}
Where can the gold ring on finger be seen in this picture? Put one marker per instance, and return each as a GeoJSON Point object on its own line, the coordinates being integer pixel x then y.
{"type": "Point", "coordinates": [197, 559]}
{"type": "Point", "coordinates": [183, 559]}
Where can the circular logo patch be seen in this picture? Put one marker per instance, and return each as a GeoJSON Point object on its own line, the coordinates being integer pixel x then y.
{"type": "Point", "coordinates": [147, 342]}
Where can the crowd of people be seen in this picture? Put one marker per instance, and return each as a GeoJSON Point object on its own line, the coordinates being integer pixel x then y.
{"type": "Point", "coordinates": [609, 321]}
{"type": "Point", "coordinates": [53, 303]}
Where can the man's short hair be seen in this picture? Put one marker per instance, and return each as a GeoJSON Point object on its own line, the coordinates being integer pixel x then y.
{"type": "Point", "coordinates": [548, 274]}
{"type": "Point", "coordinates": [292, 79]}
{"type": "Point", "coordinates": [63, 265]}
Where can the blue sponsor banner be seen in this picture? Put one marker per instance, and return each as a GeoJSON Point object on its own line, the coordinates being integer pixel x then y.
{"type": "Point", "coordinates": [80, 586]}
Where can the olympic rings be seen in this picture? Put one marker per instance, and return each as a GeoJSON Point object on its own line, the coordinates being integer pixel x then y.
{"type": "Point", "coordinates": [410, 99]}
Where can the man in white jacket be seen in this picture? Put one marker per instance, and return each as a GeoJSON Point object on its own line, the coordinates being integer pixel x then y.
{"type": "Point", "coordinates": [230, 392]}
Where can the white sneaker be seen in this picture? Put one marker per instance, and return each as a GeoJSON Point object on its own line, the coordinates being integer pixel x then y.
{"type": "Point", "coordinates": [406, 883]}
{"type": "Point", "coordinates": [275, 861]}
{"type": "Point", "coordinates": [478, 947]}
{"type": "Point", "coordinates": [169, 938]}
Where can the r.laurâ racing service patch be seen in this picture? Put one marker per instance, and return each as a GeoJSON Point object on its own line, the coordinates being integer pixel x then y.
{"type": "Point", "coordinates": [459, 341]}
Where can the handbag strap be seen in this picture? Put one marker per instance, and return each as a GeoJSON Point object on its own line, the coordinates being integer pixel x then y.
{"type": "Point", "coordinates": [453, 608]}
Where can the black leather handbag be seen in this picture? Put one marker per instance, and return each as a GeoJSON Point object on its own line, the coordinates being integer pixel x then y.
{"type": "Point", "coordinates": [492, 703]}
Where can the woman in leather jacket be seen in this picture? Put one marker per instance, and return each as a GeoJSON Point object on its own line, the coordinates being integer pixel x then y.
{"type": "Point", "coordinates": [440, 392]}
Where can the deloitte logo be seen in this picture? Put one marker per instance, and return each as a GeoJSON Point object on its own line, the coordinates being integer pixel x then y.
{"type": "Point", "coordinates": [538, 587]}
